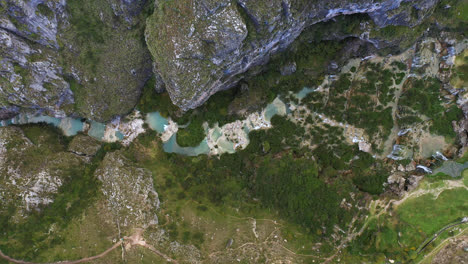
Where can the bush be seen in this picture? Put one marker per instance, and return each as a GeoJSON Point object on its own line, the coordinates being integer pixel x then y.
{"type": "Point", "coordinates": [192, 135]}
{"type": "Point", "coordinates": [293, 186]}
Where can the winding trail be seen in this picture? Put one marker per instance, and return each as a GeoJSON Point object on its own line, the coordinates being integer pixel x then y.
{"type": "Point", "coordinates": [134, 240]}
{"type": "Point", "coordinates": [66, 261]}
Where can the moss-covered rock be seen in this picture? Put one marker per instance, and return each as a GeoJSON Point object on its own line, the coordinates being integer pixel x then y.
{"type": "Point", "coordinates": [194, 46]}
{"type": "Point", "coordinates": [84, 145]}
{"type": "Point", "coordinates": [32, 169]}
{"type": "Point", "coordinates": [104, 57]}
{"type": "Point", "coordinates": [86, 58]}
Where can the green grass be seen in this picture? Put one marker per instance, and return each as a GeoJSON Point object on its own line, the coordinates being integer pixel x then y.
{"type": "Point", "coordinates": [192, 135]}
{"type": "Point", "coordinates": [465, 177]}
{"type": "Point", "coordinates": [46, 135]}
{"type": "Point", "coordinates": [84, 236]}
{"type": "Point", "coordinates": [430, 214]}
{"type": "Point", "coordinates": [399, 234]}
{"type": "Point", "coordinates": [29, 239]}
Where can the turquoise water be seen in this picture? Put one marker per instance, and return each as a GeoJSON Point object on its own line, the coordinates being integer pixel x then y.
{"type": "Point", "coordinates": [303, 93]}
{"type": "Point", "coordinates": [156, 122]}
{"type": "Point", "coordinates": [119, 135]}
{"type": "Point", "coordinates": [171, 146]}
{"type": "Point", "coordinates": [216, 134]}
{"type": "Point", "coordinates": [226, 146]}
{"type": "Point", "coordinates": [70, 126]}
{"type": "Point", "coordinates": [270, 111]}
{"type": "Point", "coordinates": [97, 130]}
{"type": "Point", "coordinates": [38, 119]}
{"type": "Point", "coordinates": [5, 123]}
{"type": "Point", "coordinates": [32, 119]}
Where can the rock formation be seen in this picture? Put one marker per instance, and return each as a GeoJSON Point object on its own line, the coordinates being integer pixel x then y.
{"type": "Point", "coordinates": [129, 191]}
{"type": "Point", "coordinates": [202, 47]}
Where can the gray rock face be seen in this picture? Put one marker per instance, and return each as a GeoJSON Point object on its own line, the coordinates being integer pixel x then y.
{"type": "Point", "coordinates": [84, 145]}
{"type": "Point", "coordinates": [201, 47]}
{"type": "Point", "coordinates": [29, 74]}
{"type": "Point", "coordinates": [288, 69]}
{"type": "Point", "coordinates": [127, 9]}
{"type": "Point", "coordinates": [65, 58]}
{"type": "Point", "coordinates": [35, 20]}
{"type": "Point", "coordinates": [70, 58]}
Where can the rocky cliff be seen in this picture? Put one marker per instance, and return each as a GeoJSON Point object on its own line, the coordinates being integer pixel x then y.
{"type": "Point", "coordinates": [72, 58]}
{"type": "Point", "coordinates": [202, 47]}
{"type": "Point", "coordinates": [91, 58]}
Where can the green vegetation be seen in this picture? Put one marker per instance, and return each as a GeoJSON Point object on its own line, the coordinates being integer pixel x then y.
{"type": "Point", "coordinates": [23, 72]}
{"type": "Point", "coordinates": [403, 35]}
{"type": "Point", "coordinates": [192, 135]}
{"type": "Point", "coordinates": [28, 239]}
{"type": "Point", "coordinates": [423, 97]}
{"type": "Point", "coordinates": [369, 174]}
{"type": "Point", "coordinates": [252, 31]}
{"type": "Point", "coordinates": [460, 71]}
{"type": "Point", "coordinates": [151, 101]}
{"type": "Point", "coordinates": [400, 65]}
{"type": "Point", "coordinates": [398, 235]}
{"type": "Point", "coordinates": [362, 103]}
{"type": "Point", "coordinates": [316, 189]}
{"type": "Point", "coordinates": [45, 10]}
{"type": "Point", "coordinates": [454, 18]}
{"type": "Point", "coordinates": [311, 57]}
{"type": "Point", "coordinates": [215, 110]}
{"type": "Point", "coordinates": [43, 134]}
{"type": "Point", "coordinates": [109, 56]}
{"type": "Point", "coordinates": [294, 186]}
{"type": "Point", "coordinates": [348, 25]}
{"type": "Point", "coordinates": [289, 184]}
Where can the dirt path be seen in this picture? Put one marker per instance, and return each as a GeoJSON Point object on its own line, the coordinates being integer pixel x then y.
{"type": "Point", "coordinates": [65, 262]}
{"type": "Point", "coordinates": [137, 240]}
{"type": "Point", "coordinates": [134, 240]}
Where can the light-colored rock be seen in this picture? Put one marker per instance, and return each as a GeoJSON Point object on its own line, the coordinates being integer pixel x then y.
{"type": "Point", "coordinates": [129, 191]}
{"type": "Point", "coordinates": [30, 177]}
